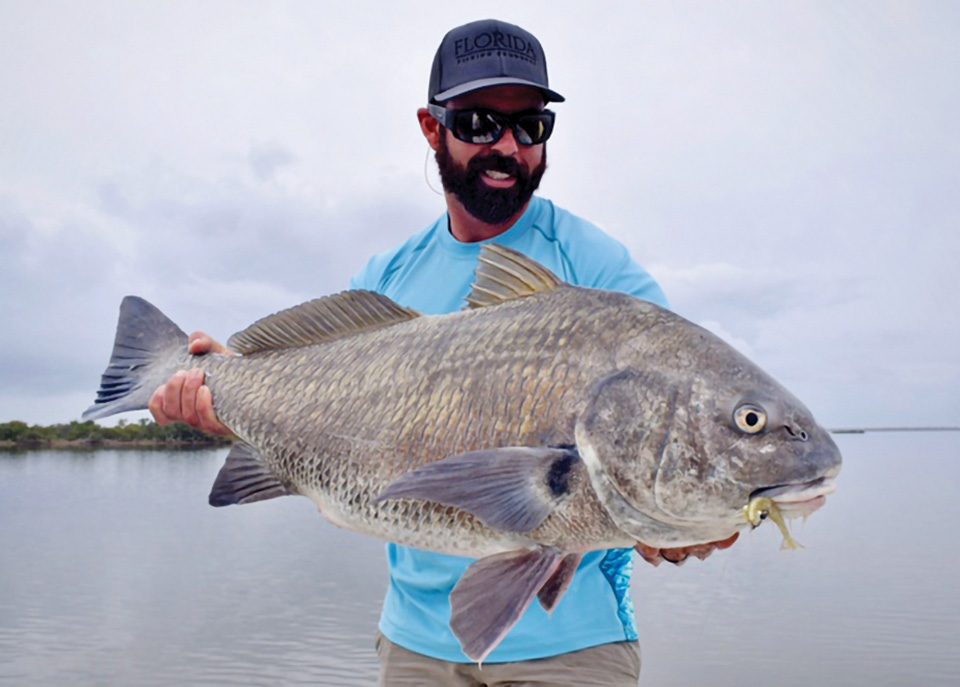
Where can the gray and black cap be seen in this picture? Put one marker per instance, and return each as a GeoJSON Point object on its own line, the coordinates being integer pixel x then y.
{"type": "Point", "coordinates": [488, 53]}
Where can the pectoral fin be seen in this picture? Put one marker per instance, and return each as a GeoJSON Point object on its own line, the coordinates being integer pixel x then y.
{"type": "Point", "coordinates": [494, 593]}
{"type": "Point", "coordinates": [510, 489]}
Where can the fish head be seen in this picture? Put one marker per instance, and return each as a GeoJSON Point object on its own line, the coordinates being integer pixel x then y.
{"type": "Point", "coordinates": [677, 452]}
{"type": "Point", "coordinates": [743, 441]}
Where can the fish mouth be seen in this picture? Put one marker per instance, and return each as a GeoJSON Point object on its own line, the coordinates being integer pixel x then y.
{"type": "Point", "coordinates": [801, 499]}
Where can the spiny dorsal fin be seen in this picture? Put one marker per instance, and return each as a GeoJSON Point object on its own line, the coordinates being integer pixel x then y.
{"type": "Point", "coordinates": [319, 320]}
{"type": "Point", "coordinates": [504, 275]}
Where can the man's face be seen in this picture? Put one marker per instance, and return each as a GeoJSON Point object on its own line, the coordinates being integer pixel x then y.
{"type": "Point", "coordinates": [493, 182]}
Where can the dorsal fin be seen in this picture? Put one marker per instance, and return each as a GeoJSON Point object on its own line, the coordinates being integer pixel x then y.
{"type": "Point", "coordinates": [504, 275]}
{"type": "Point", "coordinates": [319, 320]}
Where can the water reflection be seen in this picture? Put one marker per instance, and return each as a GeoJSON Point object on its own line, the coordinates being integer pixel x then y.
{"type": "Point", "coordinates": [868, 601]}
{"type": "Point", "coordinates": [113, 570]}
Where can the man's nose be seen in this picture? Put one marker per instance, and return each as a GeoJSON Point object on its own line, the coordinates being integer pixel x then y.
{"type": "Point", "coordinates": [507, 145]}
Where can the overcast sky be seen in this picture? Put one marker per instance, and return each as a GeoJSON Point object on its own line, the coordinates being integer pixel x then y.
{"type": "Point", "coordinates": [789, 172]}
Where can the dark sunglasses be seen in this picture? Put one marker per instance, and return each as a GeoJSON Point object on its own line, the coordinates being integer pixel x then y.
{"type": "Point", "coordinates": [486, 127]}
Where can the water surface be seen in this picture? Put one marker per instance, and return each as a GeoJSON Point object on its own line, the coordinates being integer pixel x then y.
{"type": "Point", "coordinates": [113, 570]}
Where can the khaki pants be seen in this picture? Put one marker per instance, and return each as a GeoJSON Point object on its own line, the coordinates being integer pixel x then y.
{"type": "Point", "coordinates": [608, 665]}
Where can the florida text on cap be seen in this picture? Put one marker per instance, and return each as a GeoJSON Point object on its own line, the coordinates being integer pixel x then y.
{"type": "Point", "coordinates": [488, 53]}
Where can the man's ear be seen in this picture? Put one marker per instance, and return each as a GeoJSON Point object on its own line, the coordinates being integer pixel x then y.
{"type": "Point", "coordinates": [430, 128]}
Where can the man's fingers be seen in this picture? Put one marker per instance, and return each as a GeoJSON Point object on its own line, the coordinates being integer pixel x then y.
{"type": "Point", "coordinates": [702, 551]}
{"type": "Point", "coordinates": [680, 554]}
{"type": "Point", "coordinates": [171, 396]}
{"type": "Point", "coordinates": [185, 398]}
{"type": "Point", "coordinates": [705, 550]}
{"type": "Point", "coordinates": [675, 556]}
{"type": "Point", "coordinates": [188, 397]}
{"type": "Point", "coordinates": [200, 343]}
{"type": "Point", "coordinates": [156, 406]}
{"type": "Point", "coordinates": [727, 543]}
{"type": "Point", "coordinates": [649, 554]}
{"type": "Point", "coordinates": [208, 417]}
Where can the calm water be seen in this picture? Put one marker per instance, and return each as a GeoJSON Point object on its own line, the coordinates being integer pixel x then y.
{"type": "Point", "coordinates": [113, 570]}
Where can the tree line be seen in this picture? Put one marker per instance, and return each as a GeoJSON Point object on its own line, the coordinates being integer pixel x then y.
{"type": "Point", "coordinates": [142, 432]}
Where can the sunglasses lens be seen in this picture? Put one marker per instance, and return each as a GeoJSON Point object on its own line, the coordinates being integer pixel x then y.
{"type": "Point", "coordinates": [474, 126]}
{"type": "Point", "coordinates": [533, 129]}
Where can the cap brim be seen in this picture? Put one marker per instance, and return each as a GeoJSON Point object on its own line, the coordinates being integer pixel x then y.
{"type": "Point", "coordinates": [479, 84]}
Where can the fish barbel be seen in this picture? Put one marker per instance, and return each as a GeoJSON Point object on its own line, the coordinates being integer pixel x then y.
{"type": "Point", "coordinates": [540, 423]}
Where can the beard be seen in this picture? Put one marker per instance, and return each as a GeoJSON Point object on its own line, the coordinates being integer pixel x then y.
{"type": "Point", "coordinates": [487, 204]}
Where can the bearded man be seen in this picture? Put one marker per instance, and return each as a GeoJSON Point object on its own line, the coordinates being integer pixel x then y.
{"type": "Point", "coordinates": [487, 123]}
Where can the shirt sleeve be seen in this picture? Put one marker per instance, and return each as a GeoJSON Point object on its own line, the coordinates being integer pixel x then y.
{"type": "Point", "coordinates": [627, 276]}
{"type": "Point", "coordinates": [605, 263]}
{"type": "Point", "coordinates": [370, 278]}
{"type": "Point", "coordinates": [361, 279]}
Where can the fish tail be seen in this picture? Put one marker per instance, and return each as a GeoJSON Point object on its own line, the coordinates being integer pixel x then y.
{"type": "Point", "coordinates": [146, 351]}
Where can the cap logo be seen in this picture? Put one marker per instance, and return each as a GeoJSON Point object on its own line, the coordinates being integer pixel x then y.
{"type": "Point", "coordinates": [487, 43]}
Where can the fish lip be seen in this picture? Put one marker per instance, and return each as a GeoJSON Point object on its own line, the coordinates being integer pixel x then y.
{"type": "Point", "coordinates": [799, 492]}
{"type": "Point", "coordinates": [799, 499]}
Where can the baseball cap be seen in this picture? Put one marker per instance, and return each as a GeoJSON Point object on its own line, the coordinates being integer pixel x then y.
{"type": "Point", "coordinates": [488, 53]}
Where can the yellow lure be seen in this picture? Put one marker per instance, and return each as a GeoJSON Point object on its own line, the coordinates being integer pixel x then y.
{"type": "Point", "coordinates": [761, 507]}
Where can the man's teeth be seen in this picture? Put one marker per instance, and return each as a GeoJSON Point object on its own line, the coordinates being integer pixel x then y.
{"type": "Point", "coordinates": [494, 174]}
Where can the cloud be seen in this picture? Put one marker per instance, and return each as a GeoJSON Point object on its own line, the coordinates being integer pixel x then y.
{"type": "Point", "coordinates": [213, 254]}
{"type": "Point", "coordinates": [729, 291]}
{"type": "Point", "coordinates": [266, 160]}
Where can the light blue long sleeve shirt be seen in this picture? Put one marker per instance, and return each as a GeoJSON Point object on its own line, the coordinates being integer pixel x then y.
{"type": "Point", "coordinates": [432, 273]}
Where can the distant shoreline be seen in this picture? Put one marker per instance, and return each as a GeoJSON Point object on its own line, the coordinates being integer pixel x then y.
{"type": "Point", "coordinates": [864, 430]}
{"type": "Point", "coordinates": [91, 444]}
{"type": "Point", "coordinates": [86, 436]}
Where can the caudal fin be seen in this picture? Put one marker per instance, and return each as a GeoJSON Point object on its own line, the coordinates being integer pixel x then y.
{"type": "Point", "coordinates": [145, 353]}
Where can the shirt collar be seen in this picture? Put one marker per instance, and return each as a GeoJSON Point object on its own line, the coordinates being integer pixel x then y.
{"type": "Point", "coordinates": [520, 227]}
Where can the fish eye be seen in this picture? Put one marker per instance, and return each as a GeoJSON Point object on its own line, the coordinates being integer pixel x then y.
{"type": "Point", "coordinates": [749, 418]}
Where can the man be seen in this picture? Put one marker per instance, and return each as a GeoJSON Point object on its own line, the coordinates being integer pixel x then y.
{"type": "Point", "coordinates": [487, 123]}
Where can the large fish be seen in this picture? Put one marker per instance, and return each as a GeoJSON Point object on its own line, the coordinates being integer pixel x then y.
{"type": "Point", "coordinates": [542, 422]}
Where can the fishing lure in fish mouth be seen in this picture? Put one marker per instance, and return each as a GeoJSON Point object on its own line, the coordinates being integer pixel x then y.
{"type": "Point", "coordinates": [759, 509]}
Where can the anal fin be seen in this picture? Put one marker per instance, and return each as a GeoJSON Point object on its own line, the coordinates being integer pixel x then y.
{"type": "Point", "coordinates": [245, 478]}
{"type": "Point", "coordinates": [558, 584]}
{"type": "Point", "coordinates": [493, 595]}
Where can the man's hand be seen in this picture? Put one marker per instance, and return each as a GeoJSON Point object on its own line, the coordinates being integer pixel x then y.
{"type": "Point", "coordinates": [185, 398]}
{"type": "Point", "coordinates": [679, 555]}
